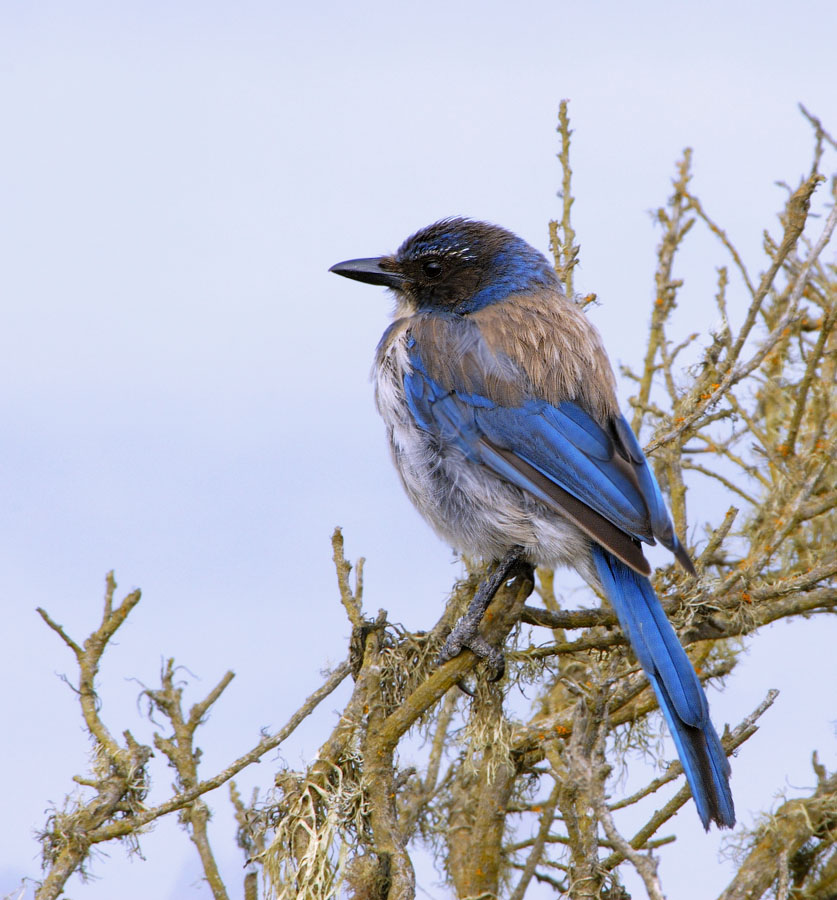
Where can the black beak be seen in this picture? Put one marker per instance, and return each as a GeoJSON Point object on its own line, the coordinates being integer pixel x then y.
{"type": "Point", "coordinates": [370, 271]}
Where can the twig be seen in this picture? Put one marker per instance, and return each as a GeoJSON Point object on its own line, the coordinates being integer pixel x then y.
{"type": "Point", "coordinates": [645, 866]}
{"type": "Point", "coordinates": [184, 798]}
{"type": "Point", "coordinates": [352, 600]}
{"type": "Point", "coordinates": [183, 756]}
{"type": "Point", "coordinates": [565, 252]}
{"type": "Point", "coordinates": [534, 858]}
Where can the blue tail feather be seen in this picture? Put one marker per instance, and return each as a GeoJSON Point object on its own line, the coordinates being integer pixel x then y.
{"type": "Point", "coordinates": [675, 683]}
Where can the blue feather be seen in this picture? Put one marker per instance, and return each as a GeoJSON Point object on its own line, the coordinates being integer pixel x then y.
{"type": "Point", "coordinates": [547, 444]}
{"type": "Point", "coordinates": [675, 683]}
{"type": "Point", "coordinates": [564, 443]}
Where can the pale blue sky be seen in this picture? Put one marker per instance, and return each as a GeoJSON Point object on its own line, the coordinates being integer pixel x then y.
{"type": "Point", "coordinates": [185, 388]}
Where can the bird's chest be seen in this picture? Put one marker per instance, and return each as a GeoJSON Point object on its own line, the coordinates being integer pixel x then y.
{"type": "Point", "coordinates": [468, 505]}
{"type": "Point", "coordinates": [414, 450]}
{"type": "Point", "coordinates": [451, 492]}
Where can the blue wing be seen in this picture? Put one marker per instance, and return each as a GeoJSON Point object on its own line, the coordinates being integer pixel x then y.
{"type": "Point", "coordinates": [596, 474]}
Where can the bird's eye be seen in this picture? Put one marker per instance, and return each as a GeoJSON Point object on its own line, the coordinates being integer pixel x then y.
{"type": "Point", "coordinates": [432, 268]}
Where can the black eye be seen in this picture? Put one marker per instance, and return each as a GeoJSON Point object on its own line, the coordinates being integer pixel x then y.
{"type": "Point", "coordinates": [432, 268]}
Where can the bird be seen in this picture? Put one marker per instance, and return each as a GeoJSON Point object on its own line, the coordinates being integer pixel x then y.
{"type": "Point", "coordinates": [500, 407]}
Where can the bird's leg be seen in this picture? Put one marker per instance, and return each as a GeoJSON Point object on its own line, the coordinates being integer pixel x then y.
{"type": "Point", "coordinates": [466, 631]}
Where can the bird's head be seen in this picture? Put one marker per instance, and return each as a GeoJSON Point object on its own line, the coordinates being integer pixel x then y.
{"type": "Point", "coordinates": [456, 266]}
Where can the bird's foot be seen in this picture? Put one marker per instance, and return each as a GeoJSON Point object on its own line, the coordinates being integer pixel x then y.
{"type": "Point", "coordinates": [466, 634]}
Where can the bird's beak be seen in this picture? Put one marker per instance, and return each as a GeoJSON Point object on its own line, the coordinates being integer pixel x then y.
{"type": "Point", "coordinates": [376, 270]}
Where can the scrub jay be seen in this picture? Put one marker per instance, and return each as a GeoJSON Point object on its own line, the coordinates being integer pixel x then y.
{"type": "Point", "coordinates": [500, 407]}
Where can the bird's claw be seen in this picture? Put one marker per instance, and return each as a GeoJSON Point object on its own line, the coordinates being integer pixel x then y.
{"type": "Point", "coordinates": [466, 631]}
{"type": "Point", "coordinates": [465, 635]}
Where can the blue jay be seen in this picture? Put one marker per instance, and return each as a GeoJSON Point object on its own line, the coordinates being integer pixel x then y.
{"type": "Point", "coordinates": [500, 407]}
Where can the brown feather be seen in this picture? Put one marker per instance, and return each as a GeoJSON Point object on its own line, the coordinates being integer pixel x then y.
{"type": "Point", "coordinates": [456, 356]}
{"type": "Point", "coordinates": [551, 340]}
